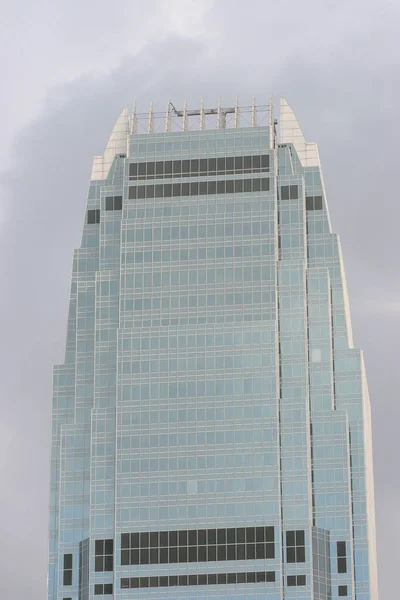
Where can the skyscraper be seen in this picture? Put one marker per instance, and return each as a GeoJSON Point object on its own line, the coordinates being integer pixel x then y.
{"type": "Point", "coordinates": [211, 421]}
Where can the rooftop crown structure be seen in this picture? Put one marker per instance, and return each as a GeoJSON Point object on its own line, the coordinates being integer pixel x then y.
{"type": "Point", "coordinates": [211, 420]}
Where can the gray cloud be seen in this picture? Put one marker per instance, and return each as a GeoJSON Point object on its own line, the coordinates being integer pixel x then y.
{"type": "Point", "coordinates": [345, 99]}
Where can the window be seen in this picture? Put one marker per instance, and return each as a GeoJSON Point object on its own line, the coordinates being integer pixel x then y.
{"type": "Point", "coordinates": [314, 203]}
{"type": "Point", "coordinates": [295, 546]}
{"type": "Point", "coordinates": [67, 570]}
{"type": "Point", "coordinates": [341, 557]}
{"type": "Point", "coordinates": [289, 192]}
{"type": "Point", "coordinates": [104, 555]}
{"type": "Point", "coordinates": [342, 590]}
{"type": "Point", "coordinates": [93, 216]}
{"type": "Point", "coordinates": [203, 545]}
{"type": "Point", "coordinates": [201, 579]}
{"type": "Point", "coordinates": [103, 589]}
{"type": "Point", "coordinates": [114, 203]}
{"type": "Point", "coordinates": [296, 580]}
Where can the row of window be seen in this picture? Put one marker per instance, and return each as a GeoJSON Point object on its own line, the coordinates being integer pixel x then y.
{"type": "Point", "coordinates": [114, 203]}
{"type": "Point", "coordinates": [289, 192]}
{"type": "Point", "coordinates": [197, 579]}
{"type": "Point", "coordinates": [196, 167]}
{"type": "Point", "coordinates": [296, 580]}
{"type": "Point", "coordinates": [199, 188]}
{"type": "Point", "coordinates": [193, 537]}
{"type": "Point", "coordinates": [184, 554]}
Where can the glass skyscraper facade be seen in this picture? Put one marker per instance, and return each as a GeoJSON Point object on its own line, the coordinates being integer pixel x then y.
{"type": "Point", "coordinates": [211, 433]}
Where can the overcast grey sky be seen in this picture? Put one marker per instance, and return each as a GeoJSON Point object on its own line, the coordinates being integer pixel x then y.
{"type": "Point", "coordinates": [68, 68]}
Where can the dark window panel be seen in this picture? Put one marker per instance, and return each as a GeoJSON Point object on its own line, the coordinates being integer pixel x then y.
{"type": "Point", "coordinates": [211, 187]}
{"type": "Point", "coordinates": [134, 582]}
{"type": "Point", "coordinates": [182, 554]}
{"type": "Point", "coordinates": [109, 203]}
{"type": "Point", "coordinates": [290, 555]}
{"type": "Point", "coordinates": [230, 164]}
{"type": "Point", "coordinates": [265, 161]}
{"type": "Point", "coordinates": [291, 580]}
{"type": "Point", "coordinates": [256, 185]}
{"type": "Point", "coordinates": [186, 166]}
{"type": "Point", "coordinates": [260, 551]}
{"type": "Point", "coordinates": [221, 163]}
{"type": "Point", "coordinates": [265, 185]}
{"type": "Point", "coordinates": [203, 188]}
{"type": "Point", "coordinates": [132, 192]}
{"type": "Point", "coordinates": [241, 552]}
{"type": "Point", "coordinates": [194, 165]}
{"type": "Point", "coordinates": [163, 581]}
{"type": "Point", "coordinates": [141, 192]}
{"type": "Point", "coordinates": [260, 577]}
{"type": "Point", "coordinates": [192, 580]}
{"type": "Point", "coordinates": [163, 555]}
{"type": "Point", "coordinates": [151, 167]}
{"type": "Point", "coordinates": [67, 561]}
{"type": "Point", "coordinates": [221, 536]}
{"type": "Point", "coordinates": [300, 554]}
{"type": "Point", "coordinates": [134, 557]}
{"type": "Point", "coordinates": [241, 577]}
{"type": "Point", "coordinates": [212, 578]}
{"type": "Point", "coordinates": [309, 202]}
{"type": "Point", "coordinates": [164, 538]}
{"type": "Point", "coordinates": [144, 540]}
{"type": "Point", "coordinates": [251, 577]}
{"type": "Point", "coordinates": [150, 190]}
{"type": "Point", "coordinates": [238, 186]}
{"type": "Point", "coordinates": [158, 190]}
{"type": "Point", "coordinates": [203, 166]}
{"type": "Point", "coordinates": [341, 548]}
{"type": "Point", "coordinates": [192, 555]}
{"type": "Point", "coordinates": [153, 581]}
{"type": "Point", "coordinates": [202, 554]}
{"type": "Point", "coordinates": [294, 192]}
{"type": "Point", "coordinates": [154, 539]}
{"type": "Point", "coordinates": [229, 186]}
{"type": "Point", "coordinates": [342, 590]}
{"type": "Point", "coordinates": [173, 580]}
{"type": "Point", "coordinates": [259, 534]}
{"type": "Point", "coordinates": [182, 579]}
{"type": "Point", "coordinates": [317, 202]}
{"type": "Point", "coordinates": [173, 538]}
{"type": "Point", "coordinates": [176, 189]}
{"type": "Point", "coordinates": [67, 578]}
{"type": "Point", "coordinates": [176, 167]}
{"type": "Point", "coordinates": [247, 163]}
{"type": "Point", "coordinates": [167, 190]}
{"type": "Point", "coordinates": [160, 167]}
{"type": "Point", "coordinates": [182, 538]}
{"type": "Point", "coordinates": [270, 576]}
{"type": "Point", "coordinates": [142, 170]}
{"type": "Point", "coordinates": [99, 563]}
{"type": "Point", "coordinates": [250, 551]}
{"type": "Point", "coordinates": [133, 169]}
{"type": "Point", "coordinates": [125, 557]}
{"type": "Point", "coordinates": [231, 578]}
{"type": "Point", "coordinates": [173, 555]}
{"type": "Point", "coordinates": [194, 188]}
{"type": "Point", "coordinates": [238, 163]}
{"type": "Point", "coordinates": [285, 192]}
{"type": "Point", "coordinates": [144, 556]}
{"type": "Point", "coordinates": [250, 534]}
{"type": "Point", "coordinates": [241, 534]}
{"type": "Point", "coordinates": [231, 535]}
{"type": "Point", "coordinates": [290, 538]}
{"type": "Point", "coordinates": [221, 187]}
{"type": "Point", "coordinates": [108, 546]}
{"type": "Point", "coordinates": [108, 588]}
{"type": "Point", "coordinates": [247, 185]}
{"type": "Point", "coordinates": [125, 583]}
{"type": "Point", "coordinates": [269, 550]}
{"type": "Point", "coordinates": [212, 536]}
{"type": "Point", "coordinates": [93, 216]}
{"type": "Point", "coordinates": [301, 580]}
{"type": "Point", "coordinates": [300, 539]}
{"type": "Point", "coordinates": [256, 162]}
{"type": "Point", "coordinates": [98, 589]}
{"type": "Point", "coordinates": [342, 565]}
{"type": "Point", "coordinates": [221, 578]}
{"type": "Point", "coordinates": [144, 582]}
{"type": "Point", "coordinates": [154, 558]}
{"type": "Point", "coordinates": [185, 189]}
{"type": "Point", "coordinates": [221, 552]}
{"type": "Point", "coordinates": [117, 202]}
{"type": "Point", "coordinates": [201, 579]}
{"type": "Point", "coordinates": [231, 552]}
{"type": "Point", "coordinates": [212, 553]}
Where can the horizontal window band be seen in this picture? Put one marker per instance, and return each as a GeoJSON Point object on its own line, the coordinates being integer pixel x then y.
{"type": "Point", "coordinates": [199, 167]}
{"type": "Point", "coordinates": [198, 579]}
{"type": "Point", "coordinates": [199, 188]}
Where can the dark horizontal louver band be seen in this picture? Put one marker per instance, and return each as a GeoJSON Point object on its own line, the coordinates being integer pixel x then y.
{"type": "Point", "coordinates": [199, 188]}
{"type": "Point", "coordinates": [314, 203]}
{"type": "Point", "coordinates": [202, 579]}
{"type": "Point", "coordinates": [202, 167]}
{"type": "Point", "coordinates": [168, 547]}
